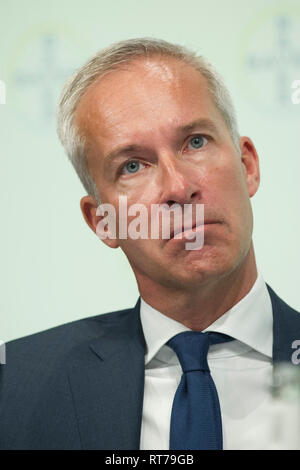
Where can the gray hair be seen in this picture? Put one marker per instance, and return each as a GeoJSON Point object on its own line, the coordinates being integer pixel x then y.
{"type": "Point", "coordinates": [112, 58]}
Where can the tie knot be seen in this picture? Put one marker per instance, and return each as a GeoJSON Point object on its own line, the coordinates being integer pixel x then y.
{"type": "Point", "coordinates": [192, 347]}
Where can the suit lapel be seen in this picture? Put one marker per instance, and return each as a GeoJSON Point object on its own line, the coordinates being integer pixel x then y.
{"type": "Point", "coordinates": [107, 383]}
{"type": "Point", "coordinates": [286, 328]}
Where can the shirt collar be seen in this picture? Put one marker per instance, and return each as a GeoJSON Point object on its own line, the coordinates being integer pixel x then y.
{"type": "Point", "coordinates": [249, 321]}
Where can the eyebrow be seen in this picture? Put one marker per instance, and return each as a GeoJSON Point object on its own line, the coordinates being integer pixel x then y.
{"type": "Point", "coordinates": [205, 124]}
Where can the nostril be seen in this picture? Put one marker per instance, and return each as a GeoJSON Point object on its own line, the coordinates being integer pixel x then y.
{"type": "Point", "coordinates": [170, 203]}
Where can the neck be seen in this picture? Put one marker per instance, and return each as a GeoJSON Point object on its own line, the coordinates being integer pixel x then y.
{"type": "Point", "coordinates": [199, 308]}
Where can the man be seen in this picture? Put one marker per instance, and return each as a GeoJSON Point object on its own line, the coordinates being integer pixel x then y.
{"type": "Point", "coordinates": [151, 122]}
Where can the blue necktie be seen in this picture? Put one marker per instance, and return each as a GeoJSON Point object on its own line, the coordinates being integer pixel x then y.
{"type": "Point", "coordinates": [196, 417]}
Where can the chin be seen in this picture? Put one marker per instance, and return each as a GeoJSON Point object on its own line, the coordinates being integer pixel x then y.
{"type": "Point", "coordinates": [206, 264]}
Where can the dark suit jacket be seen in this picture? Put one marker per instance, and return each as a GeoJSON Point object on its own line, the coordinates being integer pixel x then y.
{"type": "Point", "coordinates": [80, 385]}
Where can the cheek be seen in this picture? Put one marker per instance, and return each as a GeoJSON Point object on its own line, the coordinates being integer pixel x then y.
{"type": "Point", "coordinates": [230, 181]}
{"type": "Point", "coordinates": [227, 194]}
{"type": "Point", "coordinates": [136, 191]}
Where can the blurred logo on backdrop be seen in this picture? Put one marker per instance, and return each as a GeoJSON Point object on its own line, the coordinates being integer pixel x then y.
{"type": "Point", "coordinates": [40, 63]}
{"type": "Point", "coordinates": [270, 59]}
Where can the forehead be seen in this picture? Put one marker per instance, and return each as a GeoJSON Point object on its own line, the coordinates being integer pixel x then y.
{"type": "Point", "coordinates": [142, 98]}
{"type": "Point", "coordinates": [147, 85]}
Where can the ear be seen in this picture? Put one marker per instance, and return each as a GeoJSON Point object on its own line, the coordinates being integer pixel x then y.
{"type": "Point", "coordinates": [250, 164]}
{"type": "Point", "coordinates": [89, 205]}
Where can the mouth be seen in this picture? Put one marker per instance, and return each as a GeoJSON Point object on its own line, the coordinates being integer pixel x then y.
{"type": "Point", "coordinates": [178, 232]}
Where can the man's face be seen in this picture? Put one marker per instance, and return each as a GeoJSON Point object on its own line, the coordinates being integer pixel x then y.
{"type": "Point", "coordinates": [155, 136]}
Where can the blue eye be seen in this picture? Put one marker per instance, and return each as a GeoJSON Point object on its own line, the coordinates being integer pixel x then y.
{"type": "Point", "coordinates": [198, 141]}
{"type": "Point", "coordinates": [131, 167]}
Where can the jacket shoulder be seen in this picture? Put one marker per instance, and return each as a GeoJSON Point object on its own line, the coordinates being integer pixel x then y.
{"type": "Point", "coordinates": [287, 312]}
{"type": "Point", "coordinates": [53, 342]}
{"type": "Point", "coordinates": [35, 368]}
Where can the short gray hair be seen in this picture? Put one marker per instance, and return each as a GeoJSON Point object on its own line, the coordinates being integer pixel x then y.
{"type": "Point", "coordinates": [111, 58]}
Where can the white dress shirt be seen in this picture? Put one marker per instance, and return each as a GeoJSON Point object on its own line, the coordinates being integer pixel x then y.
{"type": "Point", "coordinates": [241, 370]}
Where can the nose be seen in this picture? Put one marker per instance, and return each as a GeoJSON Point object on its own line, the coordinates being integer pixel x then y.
{"type": "Point", "coordinates": [177, 181]}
